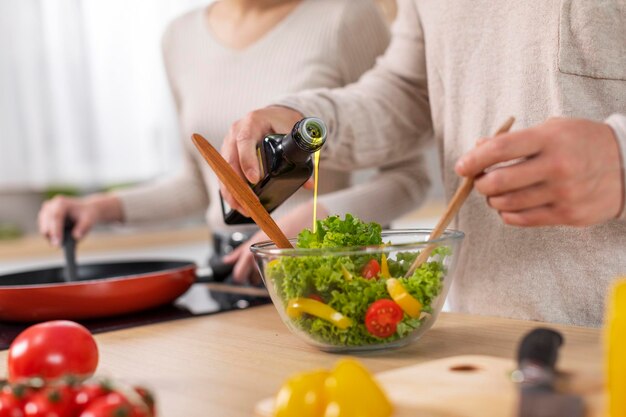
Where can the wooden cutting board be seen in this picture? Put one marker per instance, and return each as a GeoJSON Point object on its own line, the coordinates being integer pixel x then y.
{"type": "Point", "coordinates": [466, 386]}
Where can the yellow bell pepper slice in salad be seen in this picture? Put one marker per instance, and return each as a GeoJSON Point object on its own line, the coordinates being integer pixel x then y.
{"type": "Point", "coordinates": [384, 267]}
{"type": "Point", "coordinates": [409, 304]}
{"type": "Point", "coordinates": [299, 305]}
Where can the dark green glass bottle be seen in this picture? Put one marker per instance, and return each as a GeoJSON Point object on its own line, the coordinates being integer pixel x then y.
{"type": "Point", "coordinates": [286, 164]}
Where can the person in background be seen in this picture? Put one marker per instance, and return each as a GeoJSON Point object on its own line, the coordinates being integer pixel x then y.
{"type": "Point", "coordinates": [546, 229]}
{"type": "Point", "coordinates": [227, 59]}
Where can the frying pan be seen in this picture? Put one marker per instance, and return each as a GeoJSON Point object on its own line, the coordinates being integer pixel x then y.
{"type": "Point", "coordinates": [91, 290]}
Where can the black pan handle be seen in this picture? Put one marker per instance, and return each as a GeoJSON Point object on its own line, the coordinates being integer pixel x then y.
{"type": "Point", "coordinates": [69, 250]}
{"type": "Point", "coordinates": [541, 347]}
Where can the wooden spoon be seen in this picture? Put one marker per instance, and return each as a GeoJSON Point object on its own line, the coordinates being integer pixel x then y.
{"type": "Point", "coordinates": [453, 208]}
{"type": "Point", "coordinates": [241, 192]}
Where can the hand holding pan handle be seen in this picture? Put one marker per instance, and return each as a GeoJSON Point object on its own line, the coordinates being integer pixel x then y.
{"type": "Point", "coordinates": [69, 250]}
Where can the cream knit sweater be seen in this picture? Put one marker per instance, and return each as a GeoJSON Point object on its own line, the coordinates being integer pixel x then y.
{"type": "Point", "coordinates": [458, 69]}
{"type": "Point", "coordinates": [322, 43]}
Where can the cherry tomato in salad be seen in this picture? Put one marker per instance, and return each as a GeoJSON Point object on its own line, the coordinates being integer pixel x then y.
{"type": "Point", "coordinates": [371, 269]}
{"type": "Point", "coordinates": [316, 297]}
{"type": "Point", "coordinates": [51, 350]}
{"type": "Point", "coordinates": [382, 318]}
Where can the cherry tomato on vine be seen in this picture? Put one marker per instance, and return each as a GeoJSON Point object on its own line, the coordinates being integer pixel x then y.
{"type": "Point", "coordinates": [51, 402]}
{"type": "Point", "coordinates": [371, 269]}
{"type": "Point", "coordinates": [10, 405]}
{"type": "Point", "coordinates": [51, 350]}
{"type": "Point", "coordinates": [382, 318]}
{"type": "Point", "coordinates": [89, 392]}
{"type": "Point", "coordinates": [22, 391]}
{"type": "Point", "coordinates": [148, 398]}
{"type": "Point", "coordinates": [111, 405]}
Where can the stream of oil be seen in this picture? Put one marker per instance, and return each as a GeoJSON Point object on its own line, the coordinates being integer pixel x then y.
{"type": "Point", "coordinates": [316, 170]}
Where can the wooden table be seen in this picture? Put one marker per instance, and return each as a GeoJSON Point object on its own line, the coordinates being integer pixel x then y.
{"type": "Point", "coordinates": [222, 365]}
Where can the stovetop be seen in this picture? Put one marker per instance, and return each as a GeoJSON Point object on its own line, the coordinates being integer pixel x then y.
{"type": "Point", "coordinates": [198, 301]}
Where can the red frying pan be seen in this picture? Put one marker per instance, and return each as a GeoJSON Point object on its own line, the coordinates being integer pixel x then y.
{"type": "Point", "coordinates": [91, 290]}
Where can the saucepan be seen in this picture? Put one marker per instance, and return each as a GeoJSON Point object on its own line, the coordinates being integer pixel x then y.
{"type": "Point", "coordinates": [90, 291]}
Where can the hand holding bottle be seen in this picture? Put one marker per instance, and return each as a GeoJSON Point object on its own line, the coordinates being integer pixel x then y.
{"type": "Point", "coordinates": [239, 146]}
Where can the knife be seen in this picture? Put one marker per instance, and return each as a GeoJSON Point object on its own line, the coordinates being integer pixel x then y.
{"type": "Point", "coordinates": [537, 356]}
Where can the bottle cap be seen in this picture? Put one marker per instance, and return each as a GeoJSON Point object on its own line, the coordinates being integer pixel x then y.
{"type": "Point", "coordinates": [310, 134]}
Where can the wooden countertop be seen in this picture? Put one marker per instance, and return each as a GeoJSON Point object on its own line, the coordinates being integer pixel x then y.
{"type": "Point", "coordinates": [35, 246]}
{"type": "Point", "coordinates": [222, 365]}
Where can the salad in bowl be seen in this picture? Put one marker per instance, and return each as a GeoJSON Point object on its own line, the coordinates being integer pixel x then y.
{"type": "Point", "coordinates": [344, 286]}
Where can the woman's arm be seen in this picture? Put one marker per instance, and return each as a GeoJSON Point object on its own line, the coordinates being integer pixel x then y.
{"type": "Point", "coordinates": [177, 196]}
{"type": "Point", "coordinates": [170, 198]}
{"type": "Point", "coordinates": [395, 190]}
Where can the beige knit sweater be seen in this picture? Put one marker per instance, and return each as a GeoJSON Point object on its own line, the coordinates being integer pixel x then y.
{"type": "Point", "coordinates": [322, 43]}
{"type": "Point", "coordinates": [458, 69]}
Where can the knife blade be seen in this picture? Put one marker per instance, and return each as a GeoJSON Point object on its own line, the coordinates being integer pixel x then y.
{"type": "Point", "coordinates": [537, 357]}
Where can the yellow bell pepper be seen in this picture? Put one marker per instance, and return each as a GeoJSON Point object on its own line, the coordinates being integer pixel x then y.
{"type": "Point", "coordinates": [346, 274]}
{"type": "Point", "coordinates": [273, 263]}
{"type": "Point", "coordinates": [409, 304]}
{"type": "Point", "coordinates": [615, 343]}
{"type": "Point", "coordinates": [351, 391]}
{"type": "Point", "coordinates": [302, 395]}
{"type": "Point", "coordinates": [299, 305]}
{"type": "Point", "coordinates": [272, 266]}
{"type": "Point", "coordinates": [384, 267]}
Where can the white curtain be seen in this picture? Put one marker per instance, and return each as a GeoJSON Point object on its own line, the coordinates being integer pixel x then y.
{"type": "Point", "coordinates": [83, 95]}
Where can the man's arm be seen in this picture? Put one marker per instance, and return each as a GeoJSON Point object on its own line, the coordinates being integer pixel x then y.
{"type": "Point", "coordinates": [374, 122]}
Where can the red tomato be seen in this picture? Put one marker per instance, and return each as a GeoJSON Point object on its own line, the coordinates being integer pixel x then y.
{"type": "Point", "coordinates": [140, 410]}
{"type": "Point", "coordinates": [111, 405]}
{"type": "Point", "coordinates": [382, 318]}
{"type": "Point", "coordinates": [51, 350]}
{"type": "Point", "coordinates": [51, 402]}
{"type": "Point", "coordinates": [10, 405]}
{"type": "Point", "coordinates": [20, 392]}
{"type": "Point", "coordinates": [89, 392]}
{"type": "Point", "coordinates": [148, 399]}
{"type": "Point", "coordinates": [371, 269]}
{"type": "Point", "coordinates": [316, 297]}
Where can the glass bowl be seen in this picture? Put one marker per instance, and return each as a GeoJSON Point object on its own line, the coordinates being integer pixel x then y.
{"type": "Point", "coordinates": [322, 296]}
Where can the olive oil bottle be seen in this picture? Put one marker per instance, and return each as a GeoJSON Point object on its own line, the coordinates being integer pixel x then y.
{"type": "Point", "coordinates": [286, 164]}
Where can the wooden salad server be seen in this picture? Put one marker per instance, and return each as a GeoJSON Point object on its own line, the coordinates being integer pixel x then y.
{"type": "Point", "coordinates": [453, 208]}
{"type": "Point", "coordinates": [241, 192]}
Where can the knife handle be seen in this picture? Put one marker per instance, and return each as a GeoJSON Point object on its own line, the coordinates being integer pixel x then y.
{"type": "Point", "coordinates": [541, 347]}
